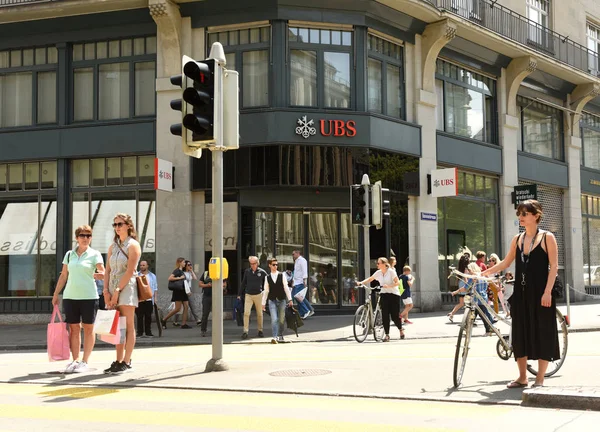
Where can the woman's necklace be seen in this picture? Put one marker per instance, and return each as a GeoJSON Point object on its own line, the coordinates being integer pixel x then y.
{"type": "Point", "coordinates": [524, 260]}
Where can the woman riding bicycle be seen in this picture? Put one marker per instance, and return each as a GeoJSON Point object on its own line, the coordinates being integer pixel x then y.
{"type": "Point", "coordinates": [389, 296]}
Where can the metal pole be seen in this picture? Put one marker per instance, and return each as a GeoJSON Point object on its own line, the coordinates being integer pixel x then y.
{"type": "Point", "coordinates": [366, 224]}
{"type": "Point", "coordinates": [216, 363]}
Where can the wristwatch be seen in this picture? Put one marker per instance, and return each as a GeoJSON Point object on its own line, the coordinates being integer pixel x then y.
{"type": "Point", "coordinates": [118, 290]}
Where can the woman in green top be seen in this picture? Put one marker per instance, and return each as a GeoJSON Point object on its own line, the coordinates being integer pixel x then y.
{"type": "Point", "coordinates": [80, 299]}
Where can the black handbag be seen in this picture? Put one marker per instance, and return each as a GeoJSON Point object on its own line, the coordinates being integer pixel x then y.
{"type": "Point", "coordinates": [177, 285]}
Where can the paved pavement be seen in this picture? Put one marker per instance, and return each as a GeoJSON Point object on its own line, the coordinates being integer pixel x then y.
{"type": "Point", "coordinates": [419, 367]}
{"type": "Point", "coordinates": [318, 328]}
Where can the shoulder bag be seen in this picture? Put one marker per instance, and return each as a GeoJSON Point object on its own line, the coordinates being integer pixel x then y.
{"type": "Point", "coordinates": [178, 285]}
{"type": "Point", "coordinates": [557, 288]}
{"type": "Point", "coordinates": [144, 290]}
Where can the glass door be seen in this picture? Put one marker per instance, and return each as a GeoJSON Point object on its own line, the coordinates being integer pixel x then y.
{"type": "Point", "coordinates": [323, 257]}
{"type": "Point", "coordinates": [350, 260]}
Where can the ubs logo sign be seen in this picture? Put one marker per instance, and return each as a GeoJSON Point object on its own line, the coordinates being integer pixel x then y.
{"type": "Point", "coordinates": [337, 128]}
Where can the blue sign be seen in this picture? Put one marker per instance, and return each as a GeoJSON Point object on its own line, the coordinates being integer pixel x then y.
{"type": "Point", "coordinates": [428, 216]}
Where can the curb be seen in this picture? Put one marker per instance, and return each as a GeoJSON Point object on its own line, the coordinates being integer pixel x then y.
{"type": "Point", "coordinates": [499, 402]}
{"type": "Point", "coordinates": [575, 398]}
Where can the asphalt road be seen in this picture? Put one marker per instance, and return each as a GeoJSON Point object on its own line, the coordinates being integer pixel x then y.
{"type": "Point", "coordinates": [39, 407]}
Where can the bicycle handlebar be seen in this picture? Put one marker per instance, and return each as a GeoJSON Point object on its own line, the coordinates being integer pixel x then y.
{"type": "Point", "coordinates": [375, 288]}
{"type": "Point", "coordinates": [471, 276]}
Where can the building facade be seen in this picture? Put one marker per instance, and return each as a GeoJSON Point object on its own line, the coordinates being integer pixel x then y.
{"type": "Point", "coordinates": [329, 91]}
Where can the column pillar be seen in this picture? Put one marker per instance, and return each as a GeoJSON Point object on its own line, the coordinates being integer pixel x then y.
{"type": "Point", "coordinates": [425, 243]}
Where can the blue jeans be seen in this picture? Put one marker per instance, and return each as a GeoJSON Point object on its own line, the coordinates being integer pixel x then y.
{"type": "Point", "coordinates": [304, 306]}
{"type": "Point", "coordinates": [277, 310]}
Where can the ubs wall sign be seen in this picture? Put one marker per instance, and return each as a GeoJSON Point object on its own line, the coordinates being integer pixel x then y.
{"type": "Point", "coordinates": [337, 128]}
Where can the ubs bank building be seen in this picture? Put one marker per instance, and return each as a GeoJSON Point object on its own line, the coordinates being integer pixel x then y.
{"type": "Point", "coordinates": [329, 91]}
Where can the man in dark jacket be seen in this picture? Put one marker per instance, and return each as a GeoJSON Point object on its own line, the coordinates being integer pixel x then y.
{"type": "Point", "coordinates": [252, 285]}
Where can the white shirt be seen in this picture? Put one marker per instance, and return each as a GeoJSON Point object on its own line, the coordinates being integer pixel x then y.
{"type": "Point", "coordinates": [387, 279]}
{"type": "Point", "coordinates": [300, 270]}
{"type": "Point", "coordinates": [273, 277]}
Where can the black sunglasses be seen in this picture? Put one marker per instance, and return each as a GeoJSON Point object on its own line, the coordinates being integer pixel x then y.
{"type": "Point", "coordinates": [523, 213]}
{"type": "Point", "coordinates": [85, 235]}
{"type": "Point", "coordinates": [274, 264]}
{"type": "Point", "coordinates": [118, 224]}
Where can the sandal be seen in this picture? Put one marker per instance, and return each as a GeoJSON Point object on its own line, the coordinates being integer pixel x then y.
{"type": "Point", "coordinates": [516, 384]}
{"type": "Point", "coordinates": [402, 334]}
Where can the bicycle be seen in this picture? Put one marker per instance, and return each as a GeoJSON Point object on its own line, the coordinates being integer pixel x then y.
{"type": "Point", "coordinates": [504, 344]}
{"type": "Point", "coordinates": [367, 320]}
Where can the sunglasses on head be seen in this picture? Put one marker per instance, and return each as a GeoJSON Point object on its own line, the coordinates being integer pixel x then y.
{"type": "Point", "coordinates": [85, 235]}
{"type": "Point", "coordinates": [118, 224]}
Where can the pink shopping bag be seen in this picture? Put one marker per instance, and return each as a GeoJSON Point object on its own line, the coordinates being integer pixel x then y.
{"type": "Point", "coordinates": [58, 338]}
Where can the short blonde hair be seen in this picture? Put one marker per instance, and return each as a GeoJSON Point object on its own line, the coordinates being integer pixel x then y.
{"type": "Point", "coordinates": [474, 268]}
{"type": "Point", "coordinates": [406, 268]}
{"type": "Point", "coordinates": [83, 229]}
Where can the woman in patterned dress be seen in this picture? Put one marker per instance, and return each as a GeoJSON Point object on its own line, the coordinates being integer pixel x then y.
{"type": "Point", "coordinates": [120, 288]}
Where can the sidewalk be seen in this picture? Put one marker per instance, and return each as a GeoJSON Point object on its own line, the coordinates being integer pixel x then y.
{"type": "Point", "coordinates": [318, 328]}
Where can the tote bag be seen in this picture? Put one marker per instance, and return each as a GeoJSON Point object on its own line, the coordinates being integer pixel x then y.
{"type": "Point", "coordinates": [58, 338]}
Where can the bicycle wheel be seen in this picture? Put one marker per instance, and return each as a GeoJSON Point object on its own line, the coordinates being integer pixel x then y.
{"type": "Point", "coordinates": [563, 342]}
{"type": "Point", "coordinates": [462, 347]}
{"type": "Point", "coordinates": [378, 326]}
{"type": "Point", "coordinates": [361, 324]}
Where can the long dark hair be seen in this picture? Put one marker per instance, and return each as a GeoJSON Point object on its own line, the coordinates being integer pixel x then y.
{"type": "Point", "coordinates": [463, 263]}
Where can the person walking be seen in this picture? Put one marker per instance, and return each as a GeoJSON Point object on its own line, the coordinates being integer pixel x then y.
{"type": "Point", "coordinates": [278, 294]}
{"type": "Point", "coordinates": [463, 263]}
{"type": "Point", "coordinates": [145, 308]}
{"type": "Point", "coordinates": [179, 296]}
{"type": "Point", "coordinates": [407, 282]}
{"type": "Point", "coordinates": [80, 298]}
{"type": "Point", "coordinates": [190, 277]}
{"type": "Point", "coordinates": [120, 287]}
{"type": "Point", "coordinates": [532, 306]}
{"type": "Point", "coordinates": [389, 295]}
{"type": "Point", "coordinates": [299, 282]}
{"type": "Point", "coordinates": [252, 285]}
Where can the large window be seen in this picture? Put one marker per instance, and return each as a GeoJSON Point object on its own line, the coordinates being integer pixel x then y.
{"type": "Point", "coordinates": [105, 186]}
{"type": "Point", "coordinates": [247, 51]}
{"type": "Point", "coordinates": [466, 103]}
{"type": "Point", "coordinates": [114, 79]}
{"type": "Point", "coordinates": [28, 87]}
{"type": "Point", "coordinates": [541, 129]}
{"type": "Point", "coordinates": [538, 12]}
{"type": "Point", "coordinates": [27, 229]}
{"type": "Point", "coordinates": [470, 219]}
{"type": "Point", "coordinates": [320, 67]}
{"type": "Point", "coordinates": [385, 81]}
{"type": "Point", "coordinates": [590, 134]}
{"type": "Point", "coordinates": [593, 44]}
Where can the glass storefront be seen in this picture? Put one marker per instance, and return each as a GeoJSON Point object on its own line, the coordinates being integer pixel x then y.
{"type": "Point", "coordinates": [469, 220]}
{"type": "Point", "coordinates": [27, 229]}
{"type": "Point", "coordinates": [590, 209]}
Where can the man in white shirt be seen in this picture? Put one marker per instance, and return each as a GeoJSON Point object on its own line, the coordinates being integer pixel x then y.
{"type": "Point", "coordinates": [299, 282]}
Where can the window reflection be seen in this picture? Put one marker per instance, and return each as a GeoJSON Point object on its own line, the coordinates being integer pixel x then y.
{"type": "Point", "coordinates": [289, 235]}
{"type": "Point", "coordinates": [337, 80]}
{"type": "Point", "coordinates": [323, 265]}
{"type": "Point", "coordinates": [350, 260]}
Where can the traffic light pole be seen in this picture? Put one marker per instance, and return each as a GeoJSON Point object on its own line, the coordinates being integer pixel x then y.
{"type": "Point", "coordinates": [216, 363]}
{"type": "Point", "coordinates": [367, 246]}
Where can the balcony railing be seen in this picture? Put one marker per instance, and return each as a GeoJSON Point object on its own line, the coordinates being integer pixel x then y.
{"type": "Point", "coordinates": [22, 2]}
{"type": "Point", "coordinates": [516, 27]}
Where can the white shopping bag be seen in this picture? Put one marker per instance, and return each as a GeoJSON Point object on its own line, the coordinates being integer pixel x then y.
{"type": "Point", "coordinates": [300, 295]}
{"type": "Point", "coordinates": [120, 337]}
{"type": "Point", "coordinates": [106, 322]}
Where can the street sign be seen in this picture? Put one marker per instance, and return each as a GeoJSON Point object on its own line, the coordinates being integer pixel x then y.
{"type": "Point", "coordinates": [523, 193]}
{"type": "Point", "coordinates": [444, 182]}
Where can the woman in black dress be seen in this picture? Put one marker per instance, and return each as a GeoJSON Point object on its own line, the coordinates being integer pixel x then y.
{"type": "Point", "coordinates": [179, 297]}
{"type": "Point", "coordinates": [533, 310]}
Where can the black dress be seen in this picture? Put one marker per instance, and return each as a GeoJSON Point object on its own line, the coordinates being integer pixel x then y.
{"type": "Point", "coordinates": [534, 327]}
{"type": "Point", "coordinates": [179, 295]}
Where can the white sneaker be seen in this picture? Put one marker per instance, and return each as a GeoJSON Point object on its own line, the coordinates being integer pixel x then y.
{"type": "Point", "coordinates": [71, 367]}
{"type": "Point", "coordinates": [306, 315]}
{"type": "Point", "coordinates": [311, 313]}
{"type": "Point", "coordinates": [81, 367]}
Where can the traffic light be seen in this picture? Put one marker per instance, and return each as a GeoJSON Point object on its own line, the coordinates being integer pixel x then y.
{"type": "Point", "coordinates": [358, 204]}
{"type": "Point", "coordinates": [380, 204]}
{"type": "Point", "coordinates": [197, 104]}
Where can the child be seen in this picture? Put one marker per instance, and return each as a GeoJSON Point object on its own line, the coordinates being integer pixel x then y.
{"type": "Point", "coordinates": [481, 288]}
{"type": "Point", "coordinates": [407, 281]}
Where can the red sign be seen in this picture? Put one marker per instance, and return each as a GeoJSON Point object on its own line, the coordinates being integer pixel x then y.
{"type": "Point", "coordinates": [338, 128]}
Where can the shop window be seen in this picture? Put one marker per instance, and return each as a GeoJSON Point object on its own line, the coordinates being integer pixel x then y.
{"type": "Point", "coordinates": [466, 103]}
{"type": "Point", "coordinates": [114, 79]}
{"type": "Point", "coordinates": [28, 87]}
{"type": "Point", "coordinates": [541, 129]}
{"type": "Point", "coordinates": [29, 176]}
{"type": "Point", "coordinates": [102, 172]}
{"type": "Point", "coordinates": [590, 134]}
{"type": "Point", "coordinates": [385, 80]}
{"type": "Point", "coordinates": [320, 67]}
{"type": "Point", "coordinates": [247, 51]}
{"type": "Point", "coordinates": [591, 240]}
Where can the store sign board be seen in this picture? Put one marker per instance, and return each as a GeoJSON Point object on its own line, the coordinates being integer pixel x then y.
{"type": "Point", "coordinates": [444, 182]}
{"type": "Point", "coordinates": [163, 175]}
{"type": "Point", "coordinates": [338, 128]}
{"type": "Point", "coordinates": [522, 193]}
{"type": "Point", "coordinates": [428, 216]}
